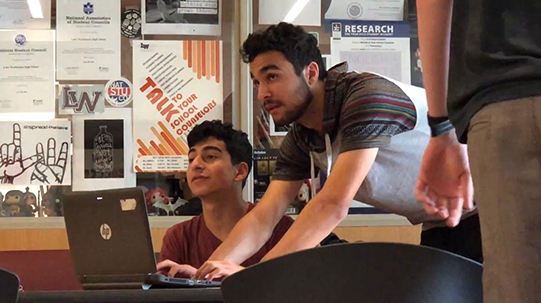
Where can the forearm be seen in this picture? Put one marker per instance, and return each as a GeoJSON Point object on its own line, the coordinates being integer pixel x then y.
{"type": "Point", "coordinates": [248, 236]}
{"type": "Point", "coordinates": [314, 223]}
{"type": "Point", "coordinates": [434, 22]}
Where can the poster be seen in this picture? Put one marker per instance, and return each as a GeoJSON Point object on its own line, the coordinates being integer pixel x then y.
{"type": "Point", "coordinates": [35, 153]}
{"type": "Point", "coordinates": [182, 17]}
{"type": "Point", "coordinates": [305, 12]}
{"type": "Point", "coordinates": [382, 47]}
{"type": "Point", "coordinates": [102, 157]}
{"type": "Point", "coordinates": [177, 84]}
{"type": "Point", "coordinates": [81, 99]}
{"type": "Point", "coordinates": [27, 81]}
{"type": "Point", "coordinates": [88, 39]}
{"type": "Point", "coordinates": [370, 10]}
{"type": "Point", "coordinates": [25, 14]}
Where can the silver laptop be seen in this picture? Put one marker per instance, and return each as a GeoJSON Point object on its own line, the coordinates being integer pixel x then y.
{"type": "Point", "coordinates": [110, 241]}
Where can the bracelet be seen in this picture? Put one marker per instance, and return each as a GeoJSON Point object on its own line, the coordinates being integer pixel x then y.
{"type": "Point", "coordinates": [439, 125]}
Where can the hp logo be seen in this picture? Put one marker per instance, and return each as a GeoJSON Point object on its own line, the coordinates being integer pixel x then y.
{"type": "Point", "coordinates": [105, 231]}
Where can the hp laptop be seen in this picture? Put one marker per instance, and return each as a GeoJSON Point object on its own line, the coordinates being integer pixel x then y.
{"type": "Point", "coordinates": [110, 241]}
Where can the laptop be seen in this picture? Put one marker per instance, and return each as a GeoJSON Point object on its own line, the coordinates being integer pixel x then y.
{"type": "Point", "coordinates": [110, 241]}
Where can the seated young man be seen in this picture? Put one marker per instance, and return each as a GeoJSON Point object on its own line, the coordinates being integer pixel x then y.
{"type": "Point", "coordinates": [220, 159]}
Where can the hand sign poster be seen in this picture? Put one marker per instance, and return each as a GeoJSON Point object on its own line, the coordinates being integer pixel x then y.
{"type": "Point", "coordinates": [35, 153]}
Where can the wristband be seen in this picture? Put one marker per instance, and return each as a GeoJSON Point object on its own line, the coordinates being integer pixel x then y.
{"type": "Point", "coordinates": [439, 125]}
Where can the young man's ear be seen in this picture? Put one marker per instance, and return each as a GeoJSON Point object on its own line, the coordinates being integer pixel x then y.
{"type": "Point", "coordinates": [311, 73]}
{"type": "Point", "coordinates": [242, 171]}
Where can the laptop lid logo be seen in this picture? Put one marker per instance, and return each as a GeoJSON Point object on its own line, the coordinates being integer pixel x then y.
{"type": "Point", "coordinates": [105, 231]}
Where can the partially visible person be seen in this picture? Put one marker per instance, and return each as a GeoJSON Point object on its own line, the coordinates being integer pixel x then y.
{"type": "Point", "coordinates": [367, 132]}
{"type": "Point", "coordinates": [482, 73]}
{"type": "Point", "coordinates": [220, 159]}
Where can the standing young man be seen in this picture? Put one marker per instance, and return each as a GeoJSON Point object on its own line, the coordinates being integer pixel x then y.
{"type": "Point", "coordinates": [364, 126]}
{"type": "Point", "coordinates": [482, 69]}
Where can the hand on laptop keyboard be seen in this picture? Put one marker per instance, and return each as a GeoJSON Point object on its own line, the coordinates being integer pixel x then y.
{"type": "Point", "coordinates": [172, 269]}
{"type": "Point", "coordinates": [217, 269]}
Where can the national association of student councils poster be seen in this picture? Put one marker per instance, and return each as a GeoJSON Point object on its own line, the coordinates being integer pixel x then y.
{"type": "Point", "coordinates": [177, 84]}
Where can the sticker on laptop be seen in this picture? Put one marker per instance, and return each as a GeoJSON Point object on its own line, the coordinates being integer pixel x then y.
{"type": "Point", "coordinates": [128, 204]}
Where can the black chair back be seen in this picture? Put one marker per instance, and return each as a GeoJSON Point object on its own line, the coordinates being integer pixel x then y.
{"type": "Point", "coordinates": [9, 286]}
{"type": "Point", "coordinates": [359, 272]}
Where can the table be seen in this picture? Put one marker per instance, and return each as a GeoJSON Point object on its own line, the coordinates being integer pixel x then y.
{"type": "Point", "coordinates": [124, 296]}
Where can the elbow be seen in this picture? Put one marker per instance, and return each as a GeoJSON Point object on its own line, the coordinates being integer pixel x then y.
{"type": "Point", "coordinates": [341, 211]}
{"type": "Point", "coordinates": [335, 209]}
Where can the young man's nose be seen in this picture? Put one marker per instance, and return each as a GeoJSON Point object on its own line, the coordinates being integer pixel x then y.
{"type": "Point", "coordinates": [263, 93]}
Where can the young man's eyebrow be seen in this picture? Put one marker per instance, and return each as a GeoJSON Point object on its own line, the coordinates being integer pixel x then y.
{"type": "Point", "coordinates": [268, 67]}
{"type": "Point", "coordinates": [264, 69]}
{"type": "Point", "coordinates": [210, 147]}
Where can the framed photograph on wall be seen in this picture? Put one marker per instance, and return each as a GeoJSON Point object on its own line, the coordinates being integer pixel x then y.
{"type": "Point", "coordinates": [102, 154]}
{"type": "Point", "coordinates": [182, 17]}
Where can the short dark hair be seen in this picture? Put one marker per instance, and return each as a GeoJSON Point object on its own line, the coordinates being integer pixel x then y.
{"type": "Point", "coordinates": [236, 142]}
{"type": "Point", "coordinates": [298, 46]}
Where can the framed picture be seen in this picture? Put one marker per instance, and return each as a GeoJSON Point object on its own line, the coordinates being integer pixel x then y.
{"type": "Point", "coordinates": [182, 17]}
{"type": "Point", "coordinates": [102, 152]}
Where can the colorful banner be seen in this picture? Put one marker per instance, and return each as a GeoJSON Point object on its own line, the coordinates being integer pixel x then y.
{"type": "Point", "coordinates": [177, 84]}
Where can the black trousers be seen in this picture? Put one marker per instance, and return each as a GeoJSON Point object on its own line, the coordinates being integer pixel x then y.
{"type": "Point", "coordinates": [464, 239]}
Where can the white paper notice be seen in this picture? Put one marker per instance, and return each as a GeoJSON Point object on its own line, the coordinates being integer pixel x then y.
{"type": "Point", "coordinates": [27, 71]}
{"type": "Point", "coordinates": [177, 84]}
{"type": "Point", "coordinates": [35, 153]}
{"type": "Point", "coordinates": [182, 17]}
{"type": "Point", "coordinates": [88, 39]}
{"type": "Point", "coordinates": [16, 14]}
{"type": "Point", "coordinates": [381, 47]}
{"type": "Point", "coordinates": [373, 10]}
{"type": "Point", "coordinates": [305, 12]}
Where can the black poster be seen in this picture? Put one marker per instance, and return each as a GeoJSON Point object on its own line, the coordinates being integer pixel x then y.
{"type": "Point", "coordinates": [104, 149]}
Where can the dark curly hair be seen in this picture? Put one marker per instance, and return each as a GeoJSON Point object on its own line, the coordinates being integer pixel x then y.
{"type": "Point", "coordinates": [236, 142]}
{"type": "Point", "coordinates": [298, 46]}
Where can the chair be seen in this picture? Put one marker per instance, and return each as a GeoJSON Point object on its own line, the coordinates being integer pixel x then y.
{"type": "Point", "coordinates": [359, 272]}
{"type": "Point", "coordinates": [9, 286]}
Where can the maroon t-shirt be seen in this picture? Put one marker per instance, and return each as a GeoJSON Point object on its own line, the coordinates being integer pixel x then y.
{"type": "Point", "coordinates": [191, 242]}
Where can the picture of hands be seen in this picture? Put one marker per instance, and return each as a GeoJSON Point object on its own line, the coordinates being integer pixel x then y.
{"type": "Point", "coordinates": [35, 153]}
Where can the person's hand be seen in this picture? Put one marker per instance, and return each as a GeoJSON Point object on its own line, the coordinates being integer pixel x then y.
{"type": "Point", "coordinates": [216, 269]}
{"type": "Point", "coordinates": [175, 268]}
{"type": "Point", "coordinates": [11, 163]}
{"type": "Point", "coordinates": [445, 185]}
{"type": "Point", "coordinates": [50, 169]}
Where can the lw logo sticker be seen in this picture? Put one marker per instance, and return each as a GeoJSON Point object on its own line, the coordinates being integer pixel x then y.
{"type": "Point", "coordinates": [105, 231]}
{"type": "Point", "coordinates": [81, 99]}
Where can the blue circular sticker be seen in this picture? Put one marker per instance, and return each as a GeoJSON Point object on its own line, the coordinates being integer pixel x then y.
{"type": "Point", "coordinates": [118, 92]}
{"type": "Point", "coordinates": [20, 40]}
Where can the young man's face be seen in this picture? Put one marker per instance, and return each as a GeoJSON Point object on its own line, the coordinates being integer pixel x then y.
{"type": "Point", "coordinates": [285, 95]}
{"type": "Point", "coordinates": [210, 169]}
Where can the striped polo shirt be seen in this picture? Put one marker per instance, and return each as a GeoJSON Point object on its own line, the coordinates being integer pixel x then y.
{"type": "Point", "coordinates": [365, 109]}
